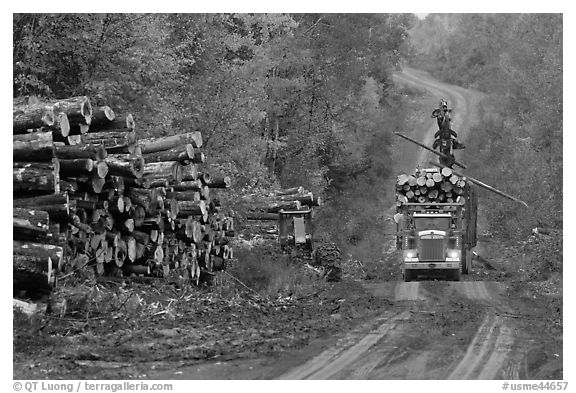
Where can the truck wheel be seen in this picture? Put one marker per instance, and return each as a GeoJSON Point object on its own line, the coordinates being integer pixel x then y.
{"type": "Point", "coordinates": [455, 275]}
{"type": "Point", "coordinates": [408, 276]}
{"type": "Point", "coordinates": [467, 262]}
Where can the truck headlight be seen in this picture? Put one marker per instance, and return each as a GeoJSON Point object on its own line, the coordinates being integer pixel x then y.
{"type": "Point", "coordinates": [453, 255]}
{"type": "Point", "coordinates": [410, 256]}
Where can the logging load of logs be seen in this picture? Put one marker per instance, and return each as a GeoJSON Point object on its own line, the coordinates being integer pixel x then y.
{"type": "Point", "coordinates": [422, 187]}
{"type": "Point", "coordinates": [88, 195]}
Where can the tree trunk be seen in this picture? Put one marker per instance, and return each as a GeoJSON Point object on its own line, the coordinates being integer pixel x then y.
{"type": "Point", "coordinates": [153, 145]}
{"type": "Point", "coordinates": [183, 154]}
{"type": "Point", "coordinates": [112, 140]}
{"type": "Point", "coordinates": [35, 146]}
{"type": "Point", "coordinates": [125, 165]}
{"type": "Point", "coordinates": [25, 117]}
{"type": "Point", "coordinates": [33, 176]}
{"type": "Point", "coordinates": [30, 224]}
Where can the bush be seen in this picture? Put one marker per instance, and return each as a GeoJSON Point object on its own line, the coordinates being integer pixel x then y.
{"type": "Point", "coordinates": [269, 272]}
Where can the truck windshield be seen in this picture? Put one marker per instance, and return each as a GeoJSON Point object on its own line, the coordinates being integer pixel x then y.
{"type": "Point", "coordinates": [423, 223]}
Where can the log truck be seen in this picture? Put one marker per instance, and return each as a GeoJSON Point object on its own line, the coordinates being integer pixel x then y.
{"type": "Point", "coordinates": [436, 219]}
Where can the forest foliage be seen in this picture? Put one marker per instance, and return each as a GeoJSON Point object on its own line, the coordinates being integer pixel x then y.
{"type": "Point", "coordinates": [516, 60]}
{"type": "Point", "coordinates": [280, 99]}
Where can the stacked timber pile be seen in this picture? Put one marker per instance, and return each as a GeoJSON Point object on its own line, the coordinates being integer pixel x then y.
{"type": "Point", "coordinates": [262, 217]}
{"type": "Point", "coordinates": [443, 186]}
{"type": "Point", "coordinates": [89, 195]}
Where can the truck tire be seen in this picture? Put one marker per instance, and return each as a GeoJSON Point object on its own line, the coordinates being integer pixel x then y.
{"type": "Point", "coordinates": [408, 275]}
{"type": "Point", "coordinates": [467, 262]}
{"type": "Point", "coordinates": [455, 275]}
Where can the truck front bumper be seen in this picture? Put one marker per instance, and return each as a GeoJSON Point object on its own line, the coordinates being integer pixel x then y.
{"type": "Point", "coordinates": [432, 265]}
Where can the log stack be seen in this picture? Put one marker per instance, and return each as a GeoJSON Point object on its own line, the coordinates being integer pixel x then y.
{"type": "Point", "coordinates": [91, 195]}
{"type": "Point", "coordinates": [443, 186]}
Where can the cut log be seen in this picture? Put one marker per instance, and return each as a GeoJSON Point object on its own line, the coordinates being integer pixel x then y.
{"type": "Point", "coordinates": [74, 140]}
{"type": "Point", "coordinates": [25, 117]}
{"type": "Point", "coordinates": [35, 146]}
{"type": "Point", "coordinates": [33, 176]}
{"type": "Point", "coordinates": [276, 207]}
{"type": "Point", "coordinates": [76, 167]}
{"type": "Point", "coordinates": [189, 172]}
{"type": "Point", "coordinates": [183, 154]}
{"type": "Point", "coordinates": [116, 205]}
{"type": "Point", "coordinates": [130, 269]}
{"type": "Point", "coordinates": [190, 185]}
{"type": "Point", "coordinates": [421, 181]}
{"type": "Point", "coordinates": [112, 140]}
{"type": "Point", "coordinates": [446, 172]}
{"type": "Point", "coordinates": [138, 214]}
{"type": "Point", "coordinates": [25, 248]}
{"type": "Point", "coordinates": [78, 129]}
{"type": "Point", "coordinates": [446, 186]}
{"type": "Point", "coordinates": [171, 208]}
{"type": "Point", "coordinates": [219, 182]}
{"type": "Point", "coordinates": [191, 208]}
{"type": "Point", "coordinates": [100, 169]}
{"type": "Point", "coordinates": [94, 152]}
{"type": "Point", "coordinates": [430, 183]}
{"type": "Point", "coordinates": [125, 165]}
{"type": "Point", "coordinates": [119, 123]}
{"type": "Point", "coordinates": [61, 126]}
{"type": "Point", "coordinates": [78, 109]}
{"type": "Point", "coordinates": [56, 205]}
{"type": "Point", "coordinates": [101, 115]}
{"type": "Point", "coordinates": [130, 247]}
{"type": "Point", "coordinates": [184, 195]}
{"type": "Point", "coordinates": [437, 177]}
{"type": "Point", "coordinates": [33, 275]}
{"type": "Point", "coordinates": [153, 145]}
{"type": "Point", "coordinates": [30, 224]}
{"type": "Point", "coordinates": [289, 191]}
{"type": "Point", "coordinates": [163, 170]}
{"type": "Point", "coordinates": [402, 179]}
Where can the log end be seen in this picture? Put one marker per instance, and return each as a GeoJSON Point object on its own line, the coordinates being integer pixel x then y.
{"type": "Point", "coordinates": [101, 169]}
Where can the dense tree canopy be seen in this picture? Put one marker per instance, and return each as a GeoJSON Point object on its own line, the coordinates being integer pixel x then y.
{"type": "Point", "coordinates": [296, 99]}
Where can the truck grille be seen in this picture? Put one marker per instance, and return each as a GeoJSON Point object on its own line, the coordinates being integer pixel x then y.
{"type": "Point", "coordinates": [431, 249]}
